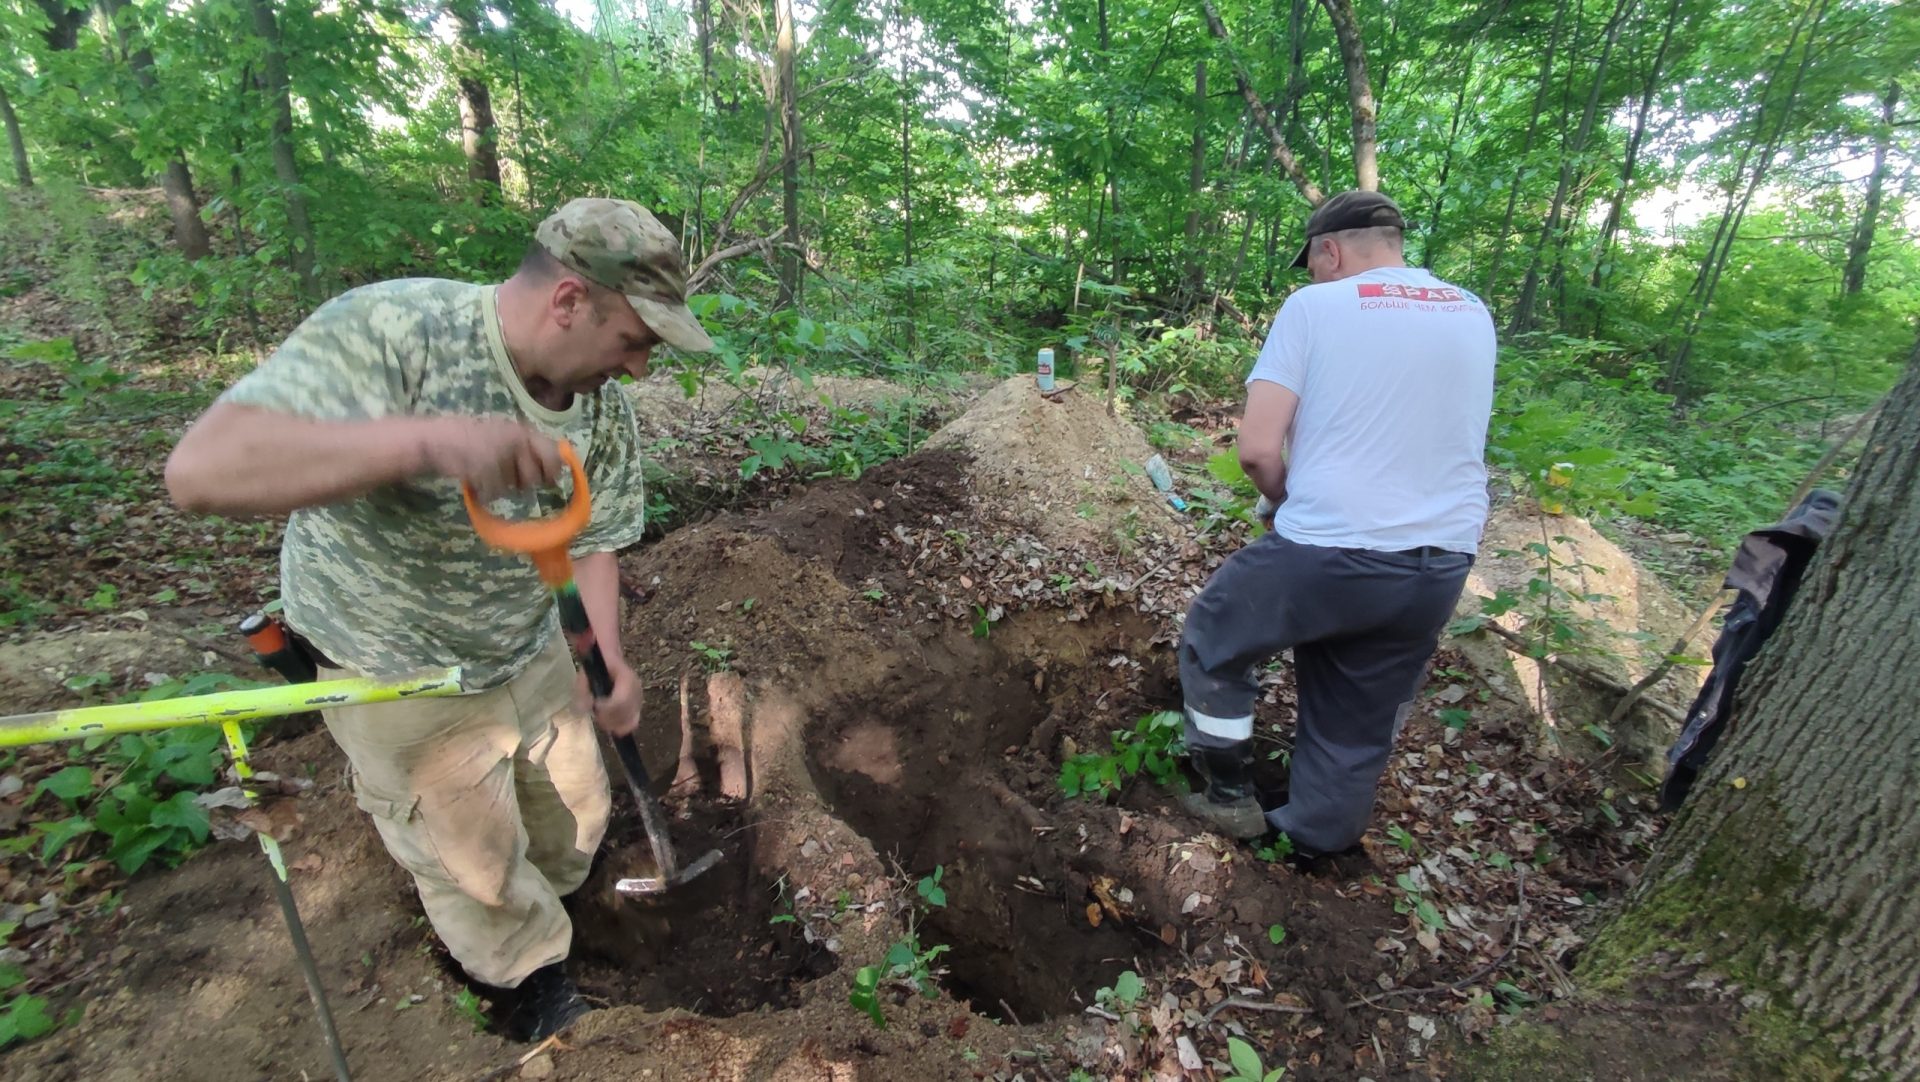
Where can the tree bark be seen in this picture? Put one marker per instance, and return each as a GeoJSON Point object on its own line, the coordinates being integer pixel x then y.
{"type": "Point", "coordinates": [1353, 56]}
{"type": "Point", "coordinates": [789, 151]}
{"type": "Point", "coordinates": [1526, 145]}
{"type": "Point", "coordinates": [1603, 251]}
{"type": "Point", "coordinates": [479, 135]}
{"type": "Point", "coordinates": [22, 169]}
{"type": "Point", "coordinates": [280, 90]}
{"type": "Point", "coordinates": [1862, 242]}
{"type": "Point", "coordinates": [1276, 139]}
{"type": "Point", "coordinates": [906, 147]}
{"type": "Point", "coordinates": [1707, 280]}
{"type": "Point", "coordinates": [1196, 180]}
{"type": "Point", "coordinates": [176, 181]}
{"type": "Point", "coordinates": [1792, 865]}
{"type": "Point", "coordinates": [1432, 246]}
{"type": "Point", "coordinates": [63, 23]}
{"type": "Point", "coordinates": [1551, 235]}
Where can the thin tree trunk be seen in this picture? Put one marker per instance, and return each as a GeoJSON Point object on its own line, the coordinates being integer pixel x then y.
{"type": "Point", "coordinates": [22, 169]}
{"type": "Point", "coordinates": [1196, 179]}
{"type": "Point", "coordinates": [789, 153]}
{"type": "Point", "coordinates": [1282, 153]}
{"type": "Point", "coordinates": [1707, 281]}
{"type": "Point", "coordinates": [1526, 146]}
{"type": "Point", "coordinates": [479, 137]}
{"type": "Point", "coordinates": [176, 181]}
{"type": "Point", "coordinates": [1446, 167]}
{"type": "Point", "coordinates": [285, 167]}
{"type": "Point", "coordinates": [1862, 242]}
{"type": "Point", "coordinates": [1112, 236]}
{"type": "Point", "coordinates": [1551, 235]}
{"type": "Point", "coordinates": [906, 144]}
{"type": "Point", "coordinates": [1603, 251]}
{"type": "Point", "coordinates": [1353, 56]}
{"type": "Point", "coordinates": [1791, 867]}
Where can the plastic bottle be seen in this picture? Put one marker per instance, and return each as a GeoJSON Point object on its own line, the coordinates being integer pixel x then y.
{"type": "Point", "coordinates": [1045, 373]}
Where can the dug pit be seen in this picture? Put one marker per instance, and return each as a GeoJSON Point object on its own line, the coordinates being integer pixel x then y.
{"type": "Point", "coordinates": [916, 765]}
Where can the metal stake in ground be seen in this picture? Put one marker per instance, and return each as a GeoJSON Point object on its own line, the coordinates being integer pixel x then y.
{"type": "Point", "coordinates": [546, 542]}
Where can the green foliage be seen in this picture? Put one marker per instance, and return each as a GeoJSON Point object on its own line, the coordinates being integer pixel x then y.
{"type": "Point", "coordinates": [1413, 899]}
{"type": "Point", "coordinates": [1153, 746]}
{"type": "Point", "coordinates": [147, 809]}
{"type": "Point", "coordinates": [1280, 848]}
{"type": "Point", "coordinates": [24, 1018]}
{"type": "Point", "coordinates": [467, 1003]}
{"type": "Point", "coordinates": [1247, 1066]}
{"type": "Point", "coordinates": [713, 658]}
{"type": "Point", "coordinates": [930, 890]}
{"type": "Point", "coordinates": [1123, 994]}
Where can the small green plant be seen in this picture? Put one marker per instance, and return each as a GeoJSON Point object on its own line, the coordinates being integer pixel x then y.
{"type": "Point", "coordinates": [875, 595]}
{"type": "Point", "coordinates": [1280, 848]}
{"type": "Point", "coordinates": [23, 1018]}
{"type": "Point", "coordinates": [1152, 746]}
{"type": "Point", "coordinates": [1414, 900]}
{"type": "Point", "coordinates": [1276, 934]}
{"type": "Point", "coordinates": [1455, 718]}
{"type": "Point", "coordinates": [1399, 836]}
{"type": "Point", "coordinates": [930, 890]}
{"type": "Point", "coordinates": [713, 658]}
{"type": "Point", "coordinates": [468, 1004]}
{"type": "Point", "coordinates": [1122, 994]}
{"type": "Point", "coordinates": [982, 622]}
{"type": "Point", "coordinates": [1247, 1066]}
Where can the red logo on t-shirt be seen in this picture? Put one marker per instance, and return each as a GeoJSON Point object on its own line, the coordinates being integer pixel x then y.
{"type": "Point", "coordinates": [1441, 295]}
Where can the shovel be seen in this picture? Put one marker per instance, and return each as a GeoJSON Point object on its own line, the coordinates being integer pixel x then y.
{"type": "Point", "coordinates": [546, 541]}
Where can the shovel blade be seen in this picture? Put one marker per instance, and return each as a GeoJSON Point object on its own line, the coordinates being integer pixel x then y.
{"type": "Point", "coordinates": [653, 884]}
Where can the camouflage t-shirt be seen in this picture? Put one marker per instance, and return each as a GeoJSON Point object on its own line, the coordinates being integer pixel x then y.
{"type": "Point", "coordinates": [396, 580]}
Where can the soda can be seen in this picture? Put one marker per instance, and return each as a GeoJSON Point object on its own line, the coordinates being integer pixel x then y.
{"type": "Point", "coordinates": [1045, 372]}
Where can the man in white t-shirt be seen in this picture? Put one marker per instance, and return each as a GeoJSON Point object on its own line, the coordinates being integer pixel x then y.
{"type": "Point", "coordinates": [1365, 433]}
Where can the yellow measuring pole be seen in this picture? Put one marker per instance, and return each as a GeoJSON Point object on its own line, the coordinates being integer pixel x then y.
{"type": "Point", "coordinates": [222, 707]}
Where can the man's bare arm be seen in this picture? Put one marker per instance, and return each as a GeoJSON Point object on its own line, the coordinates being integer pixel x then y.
{"type": "Point", "coordinates": [242, 460]}
{"type": "Point", "coordinates": [1264, 434]}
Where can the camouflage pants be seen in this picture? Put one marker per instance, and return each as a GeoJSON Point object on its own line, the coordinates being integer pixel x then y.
{"type": "Point", "coordinates": [494, 802]}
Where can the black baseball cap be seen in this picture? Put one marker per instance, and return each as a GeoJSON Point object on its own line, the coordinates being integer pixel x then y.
{"type": "Point", "coordinates": [1349, 210]}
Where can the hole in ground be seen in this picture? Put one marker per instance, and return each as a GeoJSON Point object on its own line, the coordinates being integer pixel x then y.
{"type": "Point", "coordinates": [915, 765]}
{"type": "Point", "coordinates": [707, 945]}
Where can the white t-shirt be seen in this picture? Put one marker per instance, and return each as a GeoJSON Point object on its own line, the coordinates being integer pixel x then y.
{"type": "Point", "coordinates": [1394, 369]}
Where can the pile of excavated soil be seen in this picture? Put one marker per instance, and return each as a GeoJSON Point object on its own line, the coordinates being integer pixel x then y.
{"type": "Point", "coordinates": [1629, 617]}
{"type": "Point", "coordinates": [1060, 468]}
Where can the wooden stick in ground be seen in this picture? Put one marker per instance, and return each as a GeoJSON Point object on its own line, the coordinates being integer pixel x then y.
{"type": "Point", "coordinates": [726, 719]}
{"type": "Point", "coordinates": [686, 778]}
{"type": "Point", "coordinates": [1680, 646]}
{"type": "Point", "coordinates": [1590, 675]}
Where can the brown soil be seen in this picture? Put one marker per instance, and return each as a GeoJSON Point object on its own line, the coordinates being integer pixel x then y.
{"type": "Point", "coordinates": [890, 725]}
{"type": "Point", "coordinates": [1059, 467]}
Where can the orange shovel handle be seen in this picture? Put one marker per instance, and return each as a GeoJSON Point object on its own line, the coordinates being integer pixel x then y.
{"type": "Point", "coordinates": [546, 540]}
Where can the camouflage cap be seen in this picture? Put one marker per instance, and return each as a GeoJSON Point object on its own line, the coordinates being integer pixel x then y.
{"type": "Point", "coordinates": [619, 245]}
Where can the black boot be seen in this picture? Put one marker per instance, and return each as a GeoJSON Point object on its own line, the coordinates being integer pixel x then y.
{"type": "Point", "coordinates": [547, 1002]}
{"type": "Point", "coordinates": [1228, 800]}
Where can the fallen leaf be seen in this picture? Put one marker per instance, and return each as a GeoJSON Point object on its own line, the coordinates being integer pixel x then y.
{"type": "Point", "coordinates": [1168, 935]}
{"type": "Point", "coordinates": [1189, 1056]}
{"type": "Point", "coordinates": [277, 819]}
{"type": "Point", "coordinates": [1093, 914]}
{"type": "Point", "coordinates": [312, 862]}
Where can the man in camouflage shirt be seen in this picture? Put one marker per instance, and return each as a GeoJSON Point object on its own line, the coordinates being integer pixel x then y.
{"type": "Point", "coordinates": [362, 427]}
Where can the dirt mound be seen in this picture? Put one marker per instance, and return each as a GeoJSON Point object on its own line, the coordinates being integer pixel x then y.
{"type": "Point", "coordinates": [1060, 468]}
{"type": "Point", "coordinates": [41, 672]}
{"type": "Point", "coordinates": [1623, 612]}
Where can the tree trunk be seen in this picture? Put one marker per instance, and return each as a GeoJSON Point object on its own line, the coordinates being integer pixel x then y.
{"type": "Point", "coordinates": [790, 153]}
{"type": "Point", "coordinates": [479, 136]}
{"type": "Point", "coordinates": [1792, 864]}
{"type": "Point", "coordinates": [1550, 231]}
{"type": "Point", "coordinates": [1353, 55]}
{"type": "Point", "coordinates": [64, 21]}
{"type": "Point", "coordinates": [1707, 280]}
{"type": "Point", "coordinates": [285, 167]}
{"type": "Point", "coordinates": [22, 170]}
{"type": "Point", "coordinates": [1862, 242]}
{"type": "Point", "coordinates": [1276, 139]}
{"type": "Point", "coordinates": [1603, 251]}
{"type": "Point", "coordinates": [906, 144]}
{"type": "Point", "coordinates": [183, 206]}
{"type": "Point", "coordinates": [1196, 180]}
{"type": "Point", "coordinates": [480, 139]}
{"type": "Point", "coordinates": [1526, 145]}
{"type": "Point", "coordinates": [1432, 246]}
